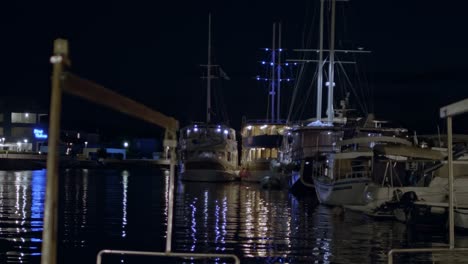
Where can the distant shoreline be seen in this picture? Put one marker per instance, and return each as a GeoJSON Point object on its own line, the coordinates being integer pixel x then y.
{"type": "Point", "coordinates": [15, 161]}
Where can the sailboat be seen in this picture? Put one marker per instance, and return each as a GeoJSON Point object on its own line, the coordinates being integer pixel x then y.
{"type": "Point", "coordinates": [207, 150]}
{"type": "Point", "coordinates": [262, 138]}
{"type": "Point", "coordinates": [311, 140]}
{"type": "Point", "coordinates": [335, 154]}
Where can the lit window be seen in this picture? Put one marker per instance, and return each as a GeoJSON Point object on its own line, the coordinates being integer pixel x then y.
{"type": "Point", "coordinates": [25, 118]}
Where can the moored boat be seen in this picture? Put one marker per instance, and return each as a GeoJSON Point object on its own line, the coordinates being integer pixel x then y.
{"type": "Point", "coordinates": [208, 150]}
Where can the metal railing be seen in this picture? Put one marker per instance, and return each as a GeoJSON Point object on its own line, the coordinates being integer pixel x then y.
{"type": "Point", "coordinates": [448, 112]}
{"type": "Point", "coordinates": [421, 250]}
{"type": "Point", "coordinates": [164, 254]}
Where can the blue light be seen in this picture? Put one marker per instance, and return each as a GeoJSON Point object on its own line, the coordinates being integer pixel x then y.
{"type": "Point", "coordinates": [271, 63]}
{"type": "Point", "coordinates": [267, 49]}
{"type": "Point", "coordinates": [287, 64]}
{"type": "Point", "coordinates": [295, 63]}
{"type": "Point", "coordinates": [39, 133]}
{"type": "Point", "coordinates": [258, 78]}
{"type": "Point", "coordinates": [280, 49]}
{"type": "Point", "coordinates": [263, 62]}
{"type": "Point", "coordinates": [288, 79]}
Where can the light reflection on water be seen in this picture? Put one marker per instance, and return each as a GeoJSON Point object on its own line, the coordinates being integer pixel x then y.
{"type": "Point", "coordinates": [127, 209]}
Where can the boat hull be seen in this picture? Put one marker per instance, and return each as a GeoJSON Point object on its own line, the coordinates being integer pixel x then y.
{"type": "Point", "coordinates": [255, 176]}
{"type": "Point", "coordinates": [206, 175]}
{"type": "Point", "coordinates": [341, 192]}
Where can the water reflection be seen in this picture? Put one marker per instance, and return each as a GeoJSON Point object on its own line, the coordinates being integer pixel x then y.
{"type": "Point", "coordinates": [211, 210]}
{"type": "Point", "coordinates": [21, 211]}
{"type": "Point", "coordinates": [127, 209]}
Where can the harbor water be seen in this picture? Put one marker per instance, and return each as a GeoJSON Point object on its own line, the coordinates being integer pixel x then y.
{"type": "Point", "coordinates": [127, 209]}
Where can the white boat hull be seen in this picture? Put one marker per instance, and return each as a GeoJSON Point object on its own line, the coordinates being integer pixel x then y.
{"type": "Point", "coordinates": [342, 192]}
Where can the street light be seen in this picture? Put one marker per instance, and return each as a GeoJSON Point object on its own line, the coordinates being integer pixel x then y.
{"type": "Point", "coordinates": [125, 144]}
{"type": "Point", "coordinates": [86, 144]}
{"type": "Point", "coordinates": [25, 141]}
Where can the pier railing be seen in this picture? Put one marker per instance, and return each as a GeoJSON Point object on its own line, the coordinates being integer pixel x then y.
{"type": "Point", "coordinates": [447, 112]}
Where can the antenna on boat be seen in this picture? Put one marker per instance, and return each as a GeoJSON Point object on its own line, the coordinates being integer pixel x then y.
{"type": "Point", "coordinates": [320, 66]}
{"type": "Point", "coordinates": [331, 66]}
{"type": "Point", "coordinates": [273, 62]}
{"type": "Point", "coordinates": [208, 75]}
{"type": "Point", "coordinates": [278, 75]}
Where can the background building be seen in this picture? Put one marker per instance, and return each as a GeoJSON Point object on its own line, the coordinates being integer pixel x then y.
{"type": "Point", "coordinates": [23, 124]}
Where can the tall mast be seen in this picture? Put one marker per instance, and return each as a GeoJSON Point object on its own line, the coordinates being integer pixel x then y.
{"type": "Point", "coordinates": [272, 64]}
{"type": "Point", "coordinates": [208, 75]}
{"type": "Point", "coordinates": [278, 74]}
{"type": "Point", "coordinates": [320, 66]}
{"type": "Point", "coordinates": [331, 83]}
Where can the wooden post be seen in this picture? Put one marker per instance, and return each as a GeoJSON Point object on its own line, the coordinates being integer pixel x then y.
{"type": "Point", "coordinates": [451, 194]}
{"type": "Point", "coordinates": [49, 234]}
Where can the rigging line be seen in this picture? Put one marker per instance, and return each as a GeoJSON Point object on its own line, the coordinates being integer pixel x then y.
{"type": "Point", "coordinates": [293, 98]}
{"type": "Point", "coordinates": [352, 89]}
{"type": "Point", "coordinates": [215, 92]}
{"type": "Point", "coordinates": [370, 90]}
{"type": "Point", "coordinates": [362, 86]}
{"type": "Point", "coordinates": [268, 103]}
{"type": "Point", "coordinates": [223, 109]}
{"type": "Point", "coordinates": [300, 72]}
{"type": "Point", "coordinates": [309, 91]}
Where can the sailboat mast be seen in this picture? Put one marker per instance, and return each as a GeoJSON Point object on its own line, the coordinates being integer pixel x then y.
{"type": "Point", "coordinates": [278, 75]}
{"type": "Point", "coordinates": [331, 83]}
{"type": "Point", "coordinates": [208, 75]}
{"type": "Point", "coordinates": [320, 66]}
{"type": "Point", "coordinates": [273, 82]}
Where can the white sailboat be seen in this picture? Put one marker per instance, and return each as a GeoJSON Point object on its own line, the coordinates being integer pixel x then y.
{"type": "Point", "coordinates": [208, 151]}
{"type": "Point", "coordinates": [336, 154]}
{"type": "Point", "coordinates": [314, 140]}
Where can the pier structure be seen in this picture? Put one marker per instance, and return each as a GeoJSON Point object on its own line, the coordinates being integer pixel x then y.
{"type": "Point", "coordinates": [65, 81]}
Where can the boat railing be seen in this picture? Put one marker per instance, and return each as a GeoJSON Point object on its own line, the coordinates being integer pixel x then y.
{"type": "Point", "coordinates": [392, 252]}
{"type": "Point", "coordinates": [357, 174]}
{"type": "Point", "coordinates": [165, 254]}
{"type": "Point", "coordinates": [265, 121]}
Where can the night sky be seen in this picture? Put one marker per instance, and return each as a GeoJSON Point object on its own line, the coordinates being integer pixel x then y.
{"type": "Point", "coordinates": [151, 52]}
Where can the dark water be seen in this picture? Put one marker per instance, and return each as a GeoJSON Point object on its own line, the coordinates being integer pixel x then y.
{"type": "Point", "coordinates": [127, 210]}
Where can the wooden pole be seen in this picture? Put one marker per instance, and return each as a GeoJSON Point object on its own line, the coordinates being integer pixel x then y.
{"type": "Point", "coordinates": [49, 234]}
{"type": "Point", "coordinates": [450, 171]}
